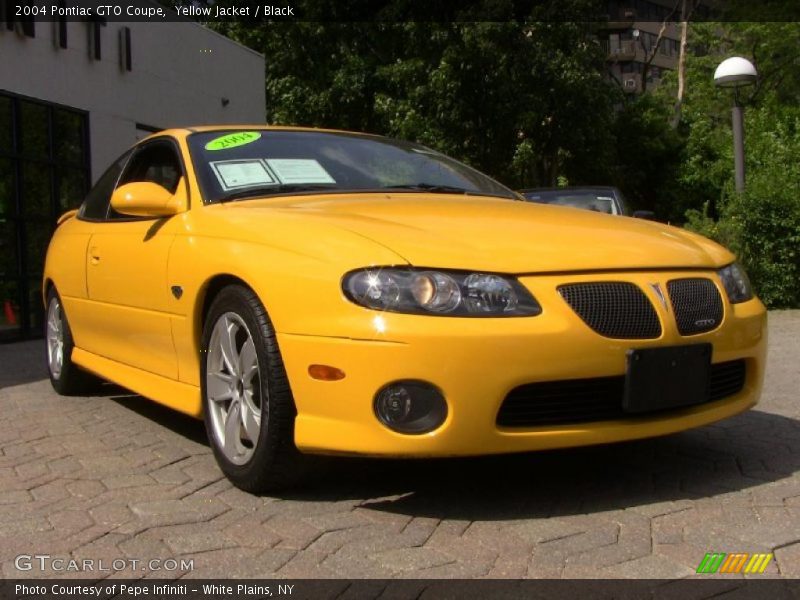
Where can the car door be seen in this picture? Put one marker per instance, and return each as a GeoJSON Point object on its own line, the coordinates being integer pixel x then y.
{"type": "Point", "coordinates": [67, 255]}
{"type": "Point", "coordinates": [126, 271]}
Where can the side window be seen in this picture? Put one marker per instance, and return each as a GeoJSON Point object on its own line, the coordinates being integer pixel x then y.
{"type": "Point", "coordinates": [156, 162]}
{"type": "Point", "coordinates": [95, 206]}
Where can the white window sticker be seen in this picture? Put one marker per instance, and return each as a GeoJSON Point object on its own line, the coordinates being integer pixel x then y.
{"type": "Point", "coordinates": [237, 174]}
{"type": "Point", "coordinates": [299, 170]}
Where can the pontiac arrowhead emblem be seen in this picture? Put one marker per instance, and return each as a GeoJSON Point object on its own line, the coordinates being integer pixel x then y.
{"type": "Point", "coordinates": [660, 293]}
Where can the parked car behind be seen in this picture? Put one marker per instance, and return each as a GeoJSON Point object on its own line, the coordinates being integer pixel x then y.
{"type": "Point", "coordinates": [607, 200]}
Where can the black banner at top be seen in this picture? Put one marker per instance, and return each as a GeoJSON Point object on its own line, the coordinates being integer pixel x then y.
{"type": "Point", "coordinates": [256, 11]}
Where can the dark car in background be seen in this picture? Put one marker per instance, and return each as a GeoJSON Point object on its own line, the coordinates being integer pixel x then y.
{"type": "Point", "coordinates": [604, 199]}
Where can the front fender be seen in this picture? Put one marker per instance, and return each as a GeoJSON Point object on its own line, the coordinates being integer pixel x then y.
{"type": "Point", "coordinates": [301, 291]}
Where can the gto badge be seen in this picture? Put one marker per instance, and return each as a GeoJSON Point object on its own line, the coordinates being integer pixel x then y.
{"type": "Point", "coordinates": [660, 293]}
{"type": "Point", "coordinates": [705, 322]}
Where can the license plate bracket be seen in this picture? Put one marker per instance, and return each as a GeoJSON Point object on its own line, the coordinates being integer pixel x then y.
{"type": "Point", "coordinates": [667, 377]}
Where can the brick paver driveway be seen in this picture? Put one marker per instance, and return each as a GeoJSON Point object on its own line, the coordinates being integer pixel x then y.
{"type": "Point", "coordinates": [115, 476]}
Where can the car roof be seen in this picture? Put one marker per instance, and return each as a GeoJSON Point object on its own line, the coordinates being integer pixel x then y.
{"type": "Point", "coordinates": [183, 132]}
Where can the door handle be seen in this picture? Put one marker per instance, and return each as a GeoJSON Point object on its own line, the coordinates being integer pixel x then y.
{"type": "Point", "coordinates": [94, 256]}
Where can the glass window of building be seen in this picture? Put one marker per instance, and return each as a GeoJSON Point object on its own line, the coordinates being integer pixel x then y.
{"type": "Point", "coordinates": [44, 171]}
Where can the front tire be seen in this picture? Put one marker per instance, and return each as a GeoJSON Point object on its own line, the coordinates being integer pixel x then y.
{"type": "Point", "coordinates": [67, 378]}
{"type": "Point", "coordinates": [247, 404]}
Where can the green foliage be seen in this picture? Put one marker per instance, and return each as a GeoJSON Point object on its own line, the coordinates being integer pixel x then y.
{"type": "Point", "coordinates": [705, 175]}
{"type": "Point", "coordinates": [646, 156]}
{"type": "Point", "coordinates": [762, 226]}
{"type": "Point", "coordinates": [522, 100]}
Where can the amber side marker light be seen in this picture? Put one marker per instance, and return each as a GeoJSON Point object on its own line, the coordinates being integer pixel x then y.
{"type": "Point", "coordinates": [325, 372]}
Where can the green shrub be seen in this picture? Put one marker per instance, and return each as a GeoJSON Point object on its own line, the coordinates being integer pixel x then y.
{"type": "Point", "coordinates": [762, 226]}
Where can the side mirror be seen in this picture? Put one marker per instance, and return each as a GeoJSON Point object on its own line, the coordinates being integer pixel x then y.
{"type": "Point", "coordinates": [147, 199]}
{"type": "Point", "coordinates": [649, 215]}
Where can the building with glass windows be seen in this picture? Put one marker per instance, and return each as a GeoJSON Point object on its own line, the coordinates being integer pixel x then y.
{"type": "Point", "coordinates": [73, 97]}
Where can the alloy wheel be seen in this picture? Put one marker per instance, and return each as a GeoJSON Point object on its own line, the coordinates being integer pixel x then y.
{"type": "Point", "coordinates": [55, 338]}
{"type": "Point", "coordinates": [233, 387]}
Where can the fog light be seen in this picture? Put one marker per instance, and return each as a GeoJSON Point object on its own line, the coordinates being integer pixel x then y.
{"type": "Point", "coordinates": [410, 407]}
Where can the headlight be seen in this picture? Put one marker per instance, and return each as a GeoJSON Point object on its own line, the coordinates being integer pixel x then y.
{"type": "Point", "coordinates": [424, 291]}
{"type": "Point", "coordinates": [736, 283]}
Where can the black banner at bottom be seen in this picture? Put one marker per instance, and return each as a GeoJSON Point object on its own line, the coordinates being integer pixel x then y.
{"type": "Point", "coordinates": [397, 589]}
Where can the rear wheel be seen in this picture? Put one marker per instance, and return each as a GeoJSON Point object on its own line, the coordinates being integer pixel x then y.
{"type": "Point", "coordinates": [68, 379]}
{"type": "Point", "coordinates": [248, 407]}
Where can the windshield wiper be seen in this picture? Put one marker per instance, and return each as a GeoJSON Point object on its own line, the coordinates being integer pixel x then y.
{"type": "Point", "coordinates": [271, 190]}
{"type": "Point", "coordinates": [429, 187]}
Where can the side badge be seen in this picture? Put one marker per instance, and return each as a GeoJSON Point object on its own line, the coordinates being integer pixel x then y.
{"type": "Point", "coordinates": [177, 291]}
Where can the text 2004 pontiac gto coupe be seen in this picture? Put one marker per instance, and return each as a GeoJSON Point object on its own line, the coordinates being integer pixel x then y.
{"type": "Point", "coordinates": [322, 292]}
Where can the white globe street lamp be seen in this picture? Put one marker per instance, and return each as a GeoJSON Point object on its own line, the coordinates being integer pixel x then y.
{"type": "Point", "coordinates": [736, 72]}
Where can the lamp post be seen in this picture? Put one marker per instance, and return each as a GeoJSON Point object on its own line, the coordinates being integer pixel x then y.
{"type": "Point", "coordinates": [736, 72]}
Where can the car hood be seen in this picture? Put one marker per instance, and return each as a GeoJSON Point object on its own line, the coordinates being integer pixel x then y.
{"type": "Point", "coordinates": [490, 234]}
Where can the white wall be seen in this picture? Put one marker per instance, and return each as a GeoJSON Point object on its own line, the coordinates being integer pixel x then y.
{"type": "Point", "coordinates": [181, 72]}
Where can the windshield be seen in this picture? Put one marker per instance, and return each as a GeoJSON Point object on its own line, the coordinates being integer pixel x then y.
{"type": "Point", "coordinates": [234, 164]}
{"type": "Point", "coordinates": [598, 201]}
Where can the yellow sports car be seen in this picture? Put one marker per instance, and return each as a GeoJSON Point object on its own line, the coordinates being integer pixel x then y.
{"type": "Point", "coordinates": [322, 292]}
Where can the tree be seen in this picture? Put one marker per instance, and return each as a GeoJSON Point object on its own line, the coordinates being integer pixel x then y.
{"type": "Point", "coordinates": [687, 8]}
{"type": "Point", "coordinates": [763, 225]}
{"type": "Point", "coordinates": [522, 100]}
{"type": "Point", "coordinates": [647, 157]}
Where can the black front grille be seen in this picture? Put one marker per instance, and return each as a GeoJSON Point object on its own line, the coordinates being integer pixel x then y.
{"type": "Point", "coordinates": [697, 305]}
{"type": "Point", "coordinates": [614, 309]}
{"type": "Point", "coordinates": [598, 399]}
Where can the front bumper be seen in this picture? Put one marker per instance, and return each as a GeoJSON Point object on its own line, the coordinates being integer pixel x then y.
{"type": "Point", "coordinates": [477, 362]}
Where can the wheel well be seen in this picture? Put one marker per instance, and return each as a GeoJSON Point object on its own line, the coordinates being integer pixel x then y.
{"type": "Point", "coordinates": [46, 288]}
{"type": "Point", "coordinates": [214, 286]}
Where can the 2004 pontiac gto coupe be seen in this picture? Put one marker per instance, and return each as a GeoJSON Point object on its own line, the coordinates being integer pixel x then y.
{"type": "Point", "coordinates": [322, 292]}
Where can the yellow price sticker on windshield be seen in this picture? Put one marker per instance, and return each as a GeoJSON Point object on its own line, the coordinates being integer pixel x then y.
{"type": "Point", "coordinates": [232, 140]}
